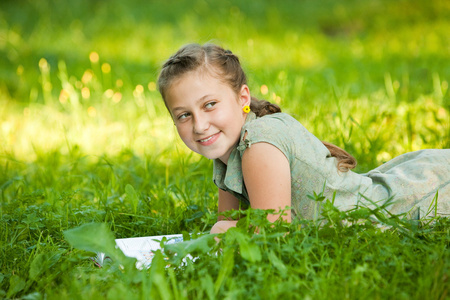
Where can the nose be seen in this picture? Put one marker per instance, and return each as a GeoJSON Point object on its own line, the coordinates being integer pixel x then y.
{"type": "Point", "coordinates": [201, 123]}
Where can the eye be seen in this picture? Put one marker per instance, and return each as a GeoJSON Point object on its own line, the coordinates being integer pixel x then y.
{"type": "Point", "coordinates": [183, 116]}
{"type": "Point", "coordinates": [210, 104]}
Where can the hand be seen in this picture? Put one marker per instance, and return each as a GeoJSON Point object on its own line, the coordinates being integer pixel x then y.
{"type": "Point", "coordinates": [222, 226]}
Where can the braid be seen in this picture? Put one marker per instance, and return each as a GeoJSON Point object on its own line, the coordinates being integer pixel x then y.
{"type": "Point", "coordinates": [344, 159]}
{"type": "Point", "coordinates": [263, 107]}
{"type": "Point", "coordinates": [182, 61]}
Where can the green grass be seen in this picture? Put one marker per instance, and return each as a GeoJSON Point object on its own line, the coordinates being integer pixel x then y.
{"type": "Point", "coordinates": [86, 141]}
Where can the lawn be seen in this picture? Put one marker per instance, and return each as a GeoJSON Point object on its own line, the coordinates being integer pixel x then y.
{"type": "Point", "coordinates": [88, 152]}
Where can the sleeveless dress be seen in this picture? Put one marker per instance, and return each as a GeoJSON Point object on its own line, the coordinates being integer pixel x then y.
{"type": "Point", "coordinates": [413, 183]}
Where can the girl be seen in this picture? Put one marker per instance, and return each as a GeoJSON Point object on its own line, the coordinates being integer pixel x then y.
{"type": "Point", "coordinates": [268, 160]}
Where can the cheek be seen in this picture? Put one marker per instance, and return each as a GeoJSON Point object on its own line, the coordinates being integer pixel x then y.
{"type": "Point", "coordinates": [185, 133]}
{"type": "Point", "coordinates": [224, 117]}
{"type": "Point", "coordinates": [182, 131]}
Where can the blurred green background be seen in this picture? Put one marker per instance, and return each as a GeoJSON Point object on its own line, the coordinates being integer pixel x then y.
{"type": "Point", "coordinates": [348, 42]}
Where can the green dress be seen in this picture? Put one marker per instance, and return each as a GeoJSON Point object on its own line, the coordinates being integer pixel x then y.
{"type": "Point", "coordinates": [412, 181]}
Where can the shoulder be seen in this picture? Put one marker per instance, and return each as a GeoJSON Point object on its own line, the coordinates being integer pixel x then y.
{"type": "Point", "coordinates": [278, 126]}
{"type": "Point", "coordinates": [279, 129]}
{"type": "Point", "coordinates": [277, 120]}
{"type": "Point", "coordinates": [275, 126]}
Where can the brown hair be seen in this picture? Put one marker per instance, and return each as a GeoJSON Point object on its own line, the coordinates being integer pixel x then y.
{"type": "Point", "coordinates": [226, 66]}
{"type": "Point", "coordinates": [212, 58]}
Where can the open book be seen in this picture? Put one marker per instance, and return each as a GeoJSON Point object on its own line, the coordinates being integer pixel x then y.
{"type": "Point", "coordinates": [141, 248]}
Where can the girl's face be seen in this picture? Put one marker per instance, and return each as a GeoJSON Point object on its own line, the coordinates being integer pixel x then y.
{"type": "Point", "coordinates": [207, 113]}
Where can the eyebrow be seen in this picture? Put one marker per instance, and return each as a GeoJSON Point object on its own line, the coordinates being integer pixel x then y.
{"type": "Point", "coordinates": [199, 100]}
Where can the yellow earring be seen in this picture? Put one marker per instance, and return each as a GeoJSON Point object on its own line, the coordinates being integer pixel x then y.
{"type": "Point", "coordinates": [246, 109]}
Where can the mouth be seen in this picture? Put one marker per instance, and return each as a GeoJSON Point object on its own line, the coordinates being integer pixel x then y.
{"type": "Point", "coordinates": [209, 140]}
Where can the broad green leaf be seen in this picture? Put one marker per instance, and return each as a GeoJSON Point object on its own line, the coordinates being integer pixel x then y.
{"type": "Point", "coordinates": [33, 296]}
{"type": "Point", "coordinates": [160, 287]}
{"type": "Point", "coordinates": [132, 197]}
{"type": "Point", "coordinates": [120, 291]}
{"type": "Point", "coordinates": [196, 246]}
{"type": "Point", "coordinates": [225, 268]}
{"type": "Point", "coordinates": [248, 249]}
{"type": "Point", "coordinates": [277, 263]}
{"type": "Point", "coordinates": [95, 237]}
{"type": "Point", "coordinates": [16, 284]}
{"type": "Point", "coordinates": [207, 285]}
{"type": "Point", "coordinates": [42, 262]}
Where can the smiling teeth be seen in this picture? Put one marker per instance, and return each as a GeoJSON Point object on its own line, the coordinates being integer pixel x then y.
{"type": "Point", "coordinates": [205, 140]}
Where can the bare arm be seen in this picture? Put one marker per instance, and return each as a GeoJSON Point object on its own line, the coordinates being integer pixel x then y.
{"type": "Point", "coordinates": [267, 178]}
{"type": "Point", "coordinates": [226, 202]}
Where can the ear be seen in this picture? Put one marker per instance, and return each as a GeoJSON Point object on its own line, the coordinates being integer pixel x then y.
{"type": "Point", "coordinates": [244, 96]}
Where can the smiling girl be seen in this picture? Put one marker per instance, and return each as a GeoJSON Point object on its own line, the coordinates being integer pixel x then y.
{"type": "Point", "coordinates": [266, 159]}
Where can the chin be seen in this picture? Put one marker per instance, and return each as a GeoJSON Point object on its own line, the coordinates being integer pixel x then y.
{"type": "Point", "coordinates": [206, 155]}
{"type": "Point", "coordinates": [212, 156]}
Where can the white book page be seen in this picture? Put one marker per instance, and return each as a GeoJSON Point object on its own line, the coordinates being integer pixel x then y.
{"type": "Point", "coordinates": [142, 248]}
